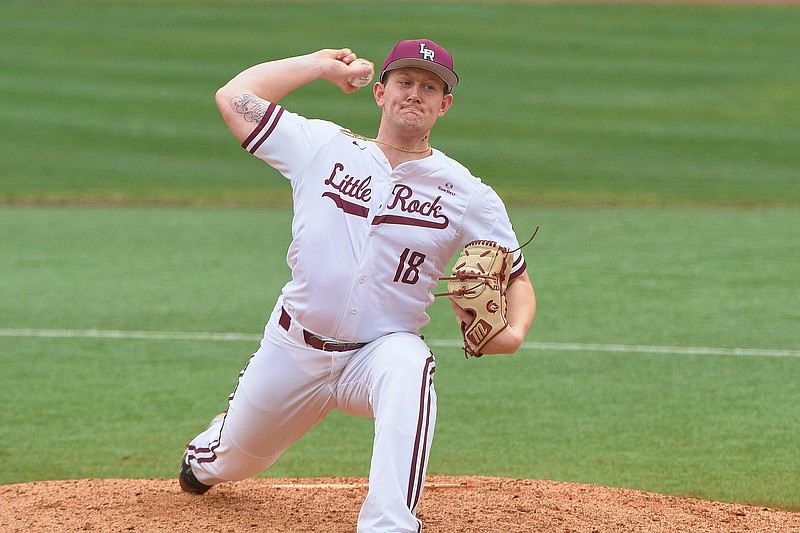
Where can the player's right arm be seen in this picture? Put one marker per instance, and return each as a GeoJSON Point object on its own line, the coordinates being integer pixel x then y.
{"type": "Point", "coordinates": [244, 99]}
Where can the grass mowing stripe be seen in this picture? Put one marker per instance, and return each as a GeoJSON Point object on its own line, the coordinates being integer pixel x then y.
{"type": "Point", "coordinates": [446, 343]}
{"type": "Point", "coordinates": [609, 104]}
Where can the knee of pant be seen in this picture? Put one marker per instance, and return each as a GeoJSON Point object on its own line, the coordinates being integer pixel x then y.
{"type": "Point", "coordinates": [404, 384]}
{"type": "Point", "coordinates": [408, 411]}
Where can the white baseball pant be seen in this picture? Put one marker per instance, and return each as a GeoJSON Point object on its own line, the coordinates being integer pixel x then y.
{"type": "Point", "coordinates": [288, 387]}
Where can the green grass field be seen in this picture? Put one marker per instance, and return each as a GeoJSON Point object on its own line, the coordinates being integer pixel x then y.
{"type": "Point", "coordinates": [657, 146]}
{"type": "Point", "coordinates": [644, 105]}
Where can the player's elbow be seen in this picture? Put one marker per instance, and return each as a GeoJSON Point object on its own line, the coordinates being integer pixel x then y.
{"type": "Point", "coordinates": [223, 99]}
{"type": "Point", "coordinates": [227, 99]}
{"type": "Point", "coordinates": [508, 341]}
{"type": "Point", "coordinates": [515, 343]}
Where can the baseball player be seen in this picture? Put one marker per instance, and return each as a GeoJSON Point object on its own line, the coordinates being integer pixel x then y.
{"type": "Point", "coordinates": [376, 221]}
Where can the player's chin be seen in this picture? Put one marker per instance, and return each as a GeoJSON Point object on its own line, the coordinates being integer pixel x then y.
{"type": "Point", "coordinates": [410, 120]}
{"type": "Point", "coordinates": [414, 115]}
{"type": "Point", "coordinates": [417, 123]}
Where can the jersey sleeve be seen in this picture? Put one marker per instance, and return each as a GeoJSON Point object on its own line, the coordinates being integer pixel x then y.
{"type": "Point", "coordinates": [288, 141]}
{"type": "Point", "coordinates": [487, 219]}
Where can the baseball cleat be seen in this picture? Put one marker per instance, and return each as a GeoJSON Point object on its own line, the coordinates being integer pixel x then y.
{"type": "Point", "coordinates": [186, 478]}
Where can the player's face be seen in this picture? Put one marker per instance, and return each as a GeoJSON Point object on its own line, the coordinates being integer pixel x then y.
{"type": "Point", "coordinates": [412, 98]}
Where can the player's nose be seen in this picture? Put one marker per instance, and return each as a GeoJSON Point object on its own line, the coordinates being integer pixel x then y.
{"type": "Point", "coordinates": [413, 95]}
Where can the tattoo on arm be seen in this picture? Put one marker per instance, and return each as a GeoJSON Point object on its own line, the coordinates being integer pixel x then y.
{"type": "Point", "coordinates": [250, 106]}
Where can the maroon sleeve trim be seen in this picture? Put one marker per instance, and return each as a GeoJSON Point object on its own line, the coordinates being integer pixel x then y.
{"type": "Point", "coordinates": [259, 135]}
{"type": "Point", "coordinates": [519, 270]}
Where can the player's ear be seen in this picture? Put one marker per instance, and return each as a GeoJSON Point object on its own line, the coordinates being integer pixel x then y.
{"type": "Point", "coordinates": [378, 92]}
{"type": "Point", "coordinates": [447, 101]}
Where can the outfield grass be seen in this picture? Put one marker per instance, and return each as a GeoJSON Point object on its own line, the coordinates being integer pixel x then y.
{"type": "Point", "coordinates": [563, 104]}
{"type": "Point", "coordinates": [722, 427]}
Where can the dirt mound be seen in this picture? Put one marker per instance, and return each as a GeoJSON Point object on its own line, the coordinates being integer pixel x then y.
{"type": "Point", "coordinates": [330, 505]}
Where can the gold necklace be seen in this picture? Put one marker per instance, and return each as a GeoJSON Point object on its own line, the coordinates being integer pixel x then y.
{"type": "Point", "coordinates": [370, 139]}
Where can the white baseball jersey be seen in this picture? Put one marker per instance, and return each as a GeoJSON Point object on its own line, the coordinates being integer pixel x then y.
{"type": "Point", "coordinates": [370, 242]}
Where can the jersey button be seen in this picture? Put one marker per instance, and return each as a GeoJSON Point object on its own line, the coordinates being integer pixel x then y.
{"type": "Point", "coordinates": [353, 311]}
{"type": "Point", "coordinates": [362, 279]}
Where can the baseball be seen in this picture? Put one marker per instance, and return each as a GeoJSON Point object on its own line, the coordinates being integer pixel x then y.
{"type": "Point", "coordinates": [363, 80]}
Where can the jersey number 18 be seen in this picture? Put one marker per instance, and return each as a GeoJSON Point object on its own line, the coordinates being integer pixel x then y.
{"type": "Point", "coordinates": [408, 267]}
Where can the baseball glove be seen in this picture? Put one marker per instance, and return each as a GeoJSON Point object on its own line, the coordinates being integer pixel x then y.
{"type": "Point", "coordinates": [478, 284]}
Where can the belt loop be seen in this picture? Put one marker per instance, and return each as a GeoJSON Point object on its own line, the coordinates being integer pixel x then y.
{"type": "Point", "coordinates": [285, 321]}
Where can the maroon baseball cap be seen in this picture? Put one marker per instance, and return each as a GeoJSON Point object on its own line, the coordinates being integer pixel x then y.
{"type": "Point", "coordinates": [422, 53]}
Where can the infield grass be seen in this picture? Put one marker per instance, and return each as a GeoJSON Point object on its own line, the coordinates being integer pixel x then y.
{"type": "Point", "coordinates": [721, 427]}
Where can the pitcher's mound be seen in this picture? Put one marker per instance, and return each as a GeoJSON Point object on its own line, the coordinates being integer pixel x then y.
{"type": "Point", "coordinates": [330, 505]}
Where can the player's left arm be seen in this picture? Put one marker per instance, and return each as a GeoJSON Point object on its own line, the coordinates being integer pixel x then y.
{"type": "Point", "coordinates": [520, 312]}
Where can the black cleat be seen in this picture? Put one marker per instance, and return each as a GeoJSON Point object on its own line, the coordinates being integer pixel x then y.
{"type": "Point", "coordinates": [186, 478]}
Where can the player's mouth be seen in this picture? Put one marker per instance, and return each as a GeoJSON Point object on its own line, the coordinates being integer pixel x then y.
{"type": "Point", "coordinates": [413, 109]}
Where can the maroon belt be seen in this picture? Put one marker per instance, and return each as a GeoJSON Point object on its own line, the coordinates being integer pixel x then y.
{"type": "Point", "coordinates": [318, 342]}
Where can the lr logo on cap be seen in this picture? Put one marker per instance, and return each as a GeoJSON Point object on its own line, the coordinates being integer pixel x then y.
{"type": "Point", "coordinates": [426, 53]}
